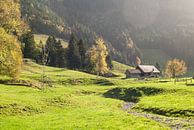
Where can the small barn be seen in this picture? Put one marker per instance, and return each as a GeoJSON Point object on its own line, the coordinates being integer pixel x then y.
{"type": "Point", "coordinates": [145, 71]}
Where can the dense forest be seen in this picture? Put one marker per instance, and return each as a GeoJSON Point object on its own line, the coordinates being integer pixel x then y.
{"type": "Point", "coordinates": [87, 20]}
{"type": "Point", "coordinates": [126, 25]}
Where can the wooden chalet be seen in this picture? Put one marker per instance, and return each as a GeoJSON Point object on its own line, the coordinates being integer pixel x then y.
{"type": "Point", "coordinates": [143, 71]}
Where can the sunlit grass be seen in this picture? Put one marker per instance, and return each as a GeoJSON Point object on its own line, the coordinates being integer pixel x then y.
{"type": "Point", "coordinates": [77, 101]}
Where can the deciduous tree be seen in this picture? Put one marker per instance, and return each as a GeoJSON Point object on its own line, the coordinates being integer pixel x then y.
{"type": "Point", "coordinates": [10, 17]}
{"type": "Point", "coordinates": [175, 67]}
{"type": "Point", "coordinates": [10, 55]}
{"type": "Point", "coordinates": [97, 56]}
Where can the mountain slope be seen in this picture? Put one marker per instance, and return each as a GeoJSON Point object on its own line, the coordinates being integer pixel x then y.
{"type": "Point", "coordinates": [62, 17]}
{"type": "Point", "coordinates": [126, 25]}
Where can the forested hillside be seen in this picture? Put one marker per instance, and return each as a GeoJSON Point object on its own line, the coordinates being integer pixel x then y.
{"type": "Point", "coordinates": [87, 20]}
{"type": "Point", "coordinates": [126, 25]}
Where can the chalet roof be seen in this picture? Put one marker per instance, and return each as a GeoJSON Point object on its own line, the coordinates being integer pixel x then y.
{"type": "Point", "coordinates": [134, 71]}
{"type": "Point", "coordinates": [148, 68]}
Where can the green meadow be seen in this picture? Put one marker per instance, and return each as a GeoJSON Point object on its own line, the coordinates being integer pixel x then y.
{"type": "Point", "coordinates": [80, 101]}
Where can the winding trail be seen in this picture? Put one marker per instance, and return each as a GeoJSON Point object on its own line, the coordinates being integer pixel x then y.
{"type": "Point", "coordinates": [174, 123]}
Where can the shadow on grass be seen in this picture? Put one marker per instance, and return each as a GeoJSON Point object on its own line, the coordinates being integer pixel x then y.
{"type": "Point", "coordinates": [26, 83]}
{"type": "Point", "coordinates": [5, 81]}
{"type": "Point", "coordinates": [131, 94]}
{"type": "Point", "coordinates": [191, 85]}
{"type": "Point", "coordinates": [170, 112]}
{"type": "Point", "coordinates": [102, 82]}
{"type": "Point", "coordinates": [86, 81]}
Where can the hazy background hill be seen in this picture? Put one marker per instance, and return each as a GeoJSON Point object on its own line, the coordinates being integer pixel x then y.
{"type": "Point", "coordinates": [132, 28]}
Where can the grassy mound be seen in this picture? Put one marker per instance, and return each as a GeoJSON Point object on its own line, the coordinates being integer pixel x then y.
{"type": "Point", "coordinates": [175, 104]}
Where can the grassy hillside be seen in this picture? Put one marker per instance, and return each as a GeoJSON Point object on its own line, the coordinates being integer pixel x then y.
{"type": "Point", "coordinates": [120, 68]}
{"type": "Point", "coordinates": [43, 38]}
{"type": "Point", "coordinates": [151, 56]}
{"type": "Point", "coordinates": [83, 101]}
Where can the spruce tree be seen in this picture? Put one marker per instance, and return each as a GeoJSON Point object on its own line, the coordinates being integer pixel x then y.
{"type": "Point", "coordinates": [50, 50]}
{"type": "Point", "coordinates": [73, 53]}
{"type": "Point", "coordinates": [29, 44]}
{"type": "Point", "coordinates": [82, 52]}
{"type": "Point", "coordinates": [109, 61]}
{"type": "Point", "coordinates": [158, 66]}
{"type": "Point", "coordinates": [60, 55]}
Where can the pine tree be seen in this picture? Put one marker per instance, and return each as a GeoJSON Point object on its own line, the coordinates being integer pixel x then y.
{"type": "Point", "coordinates": [82, 52]}
{"type": "Point", "coordinates": [158, 66]}
{"type": "Point", "coordinates": [73, 53]}
{"type": "Point", "coordinates": [29, 50]}
{"type": "Point", "coordinates": [61, 55]}
{"type": "Point", "coordinates": [39, 54]}
{"type": "Point", "coordinates": [109, 62]}
{"type": "Point", "coordinates": [50, 50]}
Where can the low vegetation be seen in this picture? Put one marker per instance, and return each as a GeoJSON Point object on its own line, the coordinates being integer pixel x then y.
{"type": "Point", "coordinates": [83, 101]}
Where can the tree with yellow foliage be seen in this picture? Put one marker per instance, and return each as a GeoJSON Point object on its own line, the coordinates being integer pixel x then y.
{"type": "Point", "coordinates": [10, 17]}
{"type": "Point", "coordinates": [11, 27]}
{"type": "Point", "coordinates": [10, 55]}
{"type": "Point", "coordinates": [175, 67]}
{"type": "Point", "coordinates": [97, 56]}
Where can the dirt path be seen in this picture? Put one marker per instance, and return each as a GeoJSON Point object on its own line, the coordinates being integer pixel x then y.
{"type": "Point", "coordinates": [172, 122]}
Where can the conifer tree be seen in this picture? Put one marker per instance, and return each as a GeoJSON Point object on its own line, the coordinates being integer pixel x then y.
{"type": "Point", "coordinates": [50, 50]}
{"type": "Point", "coordinates": [82, 52]}
{"type": "Point", "coordinates": [56, 53]}
{"type": "Point", "coordinates": [29, 50]}
{"type": "Point", "coordinates": [109, 62]}
{"type": "Point", "coordinates": [73, 53]}
{"type": "Point", "coordinates": [158, 66]}
{"type": "Point", "coordinates": [61, 55]}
